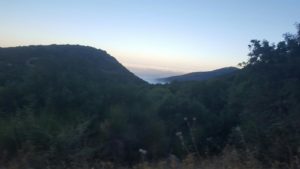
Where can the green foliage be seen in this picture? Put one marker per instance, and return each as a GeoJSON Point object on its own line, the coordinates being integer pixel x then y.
{"type": "Point", "coordinates": [62, 103]}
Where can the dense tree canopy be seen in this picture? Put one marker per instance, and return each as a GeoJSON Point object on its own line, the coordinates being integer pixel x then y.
{"type": "Point", "coordinates": [59, 104]}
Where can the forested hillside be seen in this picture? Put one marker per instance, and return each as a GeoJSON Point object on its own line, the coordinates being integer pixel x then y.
{"type": "Point", "coordinates": [71, 105]}
{"type": "Point", "coordinates": [200, 76]}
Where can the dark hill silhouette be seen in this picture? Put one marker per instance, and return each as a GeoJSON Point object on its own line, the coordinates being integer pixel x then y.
{"type": "Point", "coordinates": [62, 61]}
{"type": "Point", "coordinates": [61, 79]}
{"type": "Point", "coordinates": [199, 76]}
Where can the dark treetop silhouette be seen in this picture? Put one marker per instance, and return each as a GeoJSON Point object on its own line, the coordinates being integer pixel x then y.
{"type": "Point", "coordinates": [65, 105]}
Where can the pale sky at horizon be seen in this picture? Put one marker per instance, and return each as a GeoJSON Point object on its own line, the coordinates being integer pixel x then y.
{"type": "Point", "coordinates": [171, 36]}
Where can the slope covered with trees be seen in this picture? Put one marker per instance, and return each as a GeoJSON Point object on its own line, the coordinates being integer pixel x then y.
{"type": "Point", "coordinates": [56, 110]}
{"type": "Point", "coordinates": [200, 76]}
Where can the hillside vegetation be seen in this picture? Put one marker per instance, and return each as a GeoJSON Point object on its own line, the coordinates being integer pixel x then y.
{"type": "Point", "coordinates": [65, 106]}
{"type": "Point", "coordinates": [200, 76]}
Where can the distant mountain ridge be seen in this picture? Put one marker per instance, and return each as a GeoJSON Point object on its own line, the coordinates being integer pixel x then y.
{"type": "Point", "coordinates": [199, 76]}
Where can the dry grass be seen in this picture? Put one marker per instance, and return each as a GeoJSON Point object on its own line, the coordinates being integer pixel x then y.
{"type": "Point", "coordinates": [229, 159]}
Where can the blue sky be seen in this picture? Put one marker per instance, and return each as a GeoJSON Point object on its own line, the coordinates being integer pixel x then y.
{"type": "Point", "coordinates": [151, 37]}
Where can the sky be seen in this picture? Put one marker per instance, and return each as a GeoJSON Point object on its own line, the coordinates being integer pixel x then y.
{"type": "Point", "coordinates": [152, 38]}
